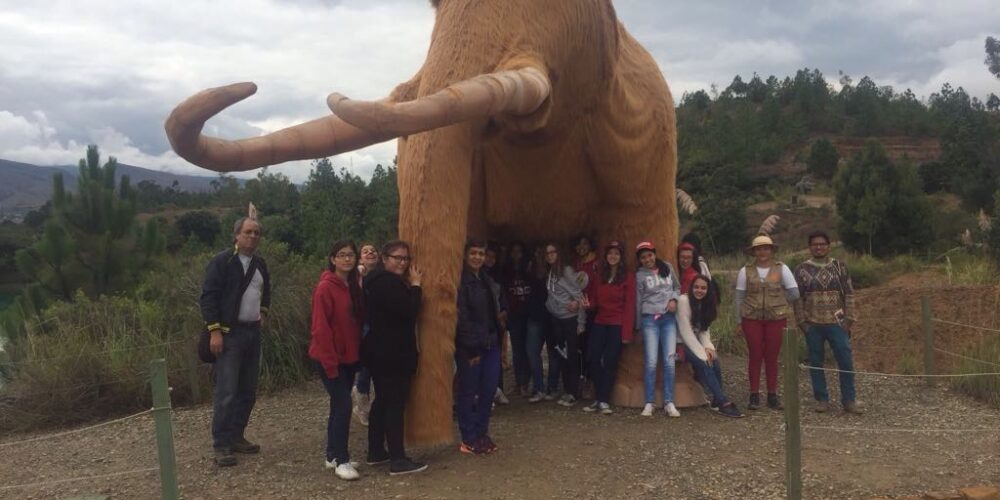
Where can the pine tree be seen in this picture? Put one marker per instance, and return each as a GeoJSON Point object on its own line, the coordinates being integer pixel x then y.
{"type": "Point", "coordinates": [91, 240]}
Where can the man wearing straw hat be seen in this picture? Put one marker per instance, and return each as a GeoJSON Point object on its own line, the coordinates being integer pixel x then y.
{"type": "Point", "coordinates": [764, 289]}
{"type": "Point", "coordinates": [825, 314]}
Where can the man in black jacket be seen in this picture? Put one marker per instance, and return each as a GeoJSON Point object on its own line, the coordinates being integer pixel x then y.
{"type": "Point", "coordinates": [234, 301]}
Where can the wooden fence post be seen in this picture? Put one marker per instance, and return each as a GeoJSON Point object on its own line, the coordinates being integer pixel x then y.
{"type": "Point", "coordinates": [925, 309]}
{"type": "Point", "coordinates": [164, 430]}
{"type": "Point", "coordinates": [793, 433]}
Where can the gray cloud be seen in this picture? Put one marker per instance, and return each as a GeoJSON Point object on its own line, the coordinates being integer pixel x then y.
{"type": "Point", "coordinates": [79, 71]}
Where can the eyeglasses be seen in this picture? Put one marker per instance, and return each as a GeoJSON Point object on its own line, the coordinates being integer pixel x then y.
{"type": "Point", "coordinates": [345, 255]}
{"type": "Point", "coordinates": [399, 258]}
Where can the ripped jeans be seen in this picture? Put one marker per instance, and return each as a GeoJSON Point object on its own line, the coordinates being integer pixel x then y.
{"type": "Point", "coordinates": [659, 335]}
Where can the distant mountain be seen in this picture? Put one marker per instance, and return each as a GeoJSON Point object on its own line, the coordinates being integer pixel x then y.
{"type": "Point", "coordinates": [24, 186]}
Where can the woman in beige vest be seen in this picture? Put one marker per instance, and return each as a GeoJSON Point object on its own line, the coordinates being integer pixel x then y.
{"type": "Point", "coordinates": [764, 291]}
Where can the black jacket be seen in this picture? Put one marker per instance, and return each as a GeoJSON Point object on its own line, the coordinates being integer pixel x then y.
{"type": "Point", "coordinates": [390, 347]}
{"type": "Point", "coordinates": [477, 329]}
{"type": "Point", "coordinates": [221, 292]}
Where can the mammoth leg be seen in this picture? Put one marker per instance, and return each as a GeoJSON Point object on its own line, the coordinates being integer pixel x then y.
{"type": "Point", "coordinates": [434, 186]}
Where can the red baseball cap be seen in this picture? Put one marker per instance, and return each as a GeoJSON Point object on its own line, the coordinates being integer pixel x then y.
{"type": "Point", "coordinates": [645, 245]}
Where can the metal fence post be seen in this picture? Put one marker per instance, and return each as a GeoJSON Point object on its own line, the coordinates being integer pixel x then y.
{"type": "Point", "coordinates": [793, 433]}
{"type": "Point", "coordinates": [925, 309]}
{"type": "Point", "coordinates": [164, 430]}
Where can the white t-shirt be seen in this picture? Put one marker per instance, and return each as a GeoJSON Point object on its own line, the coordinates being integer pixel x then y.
{"type": "Point", "coordinates": [250, 302]}
{"type": "Point", "coordinates": [787, 279]}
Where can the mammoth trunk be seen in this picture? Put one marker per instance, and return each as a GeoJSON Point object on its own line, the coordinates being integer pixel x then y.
{"type": "Point", "coordinates": [434, 185]}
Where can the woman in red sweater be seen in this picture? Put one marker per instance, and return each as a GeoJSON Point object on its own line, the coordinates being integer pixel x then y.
{"type": "Point", "coordinates": [614, 305]}
{"type": "Point", "coordinates": [337, 312]}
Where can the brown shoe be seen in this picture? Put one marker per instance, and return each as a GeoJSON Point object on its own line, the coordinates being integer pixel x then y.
{"type": "Point", "coordinates": [822, 407]}
{"type": "Point", "coordinates": [245, 447]}
{"type": "Point", "coordinates": [853, 407]}
{"type": "Point", "coordinates": [224, 457]}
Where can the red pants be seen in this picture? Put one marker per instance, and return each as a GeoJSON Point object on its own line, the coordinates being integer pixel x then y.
{"type": "Point", "coordinates": [763, 345]}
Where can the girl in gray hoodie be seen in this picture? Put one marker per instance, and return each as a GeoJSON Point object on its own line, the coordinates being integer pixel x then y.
{"type": "Point", "coordinates": [567, 304]}
{"type": "Point", "coordinates": [657, 290]}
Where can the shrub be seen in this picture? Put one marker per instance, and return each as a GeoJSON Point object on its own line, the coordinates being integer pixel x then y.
{"type": "Point", "coordinates": [89, 359]}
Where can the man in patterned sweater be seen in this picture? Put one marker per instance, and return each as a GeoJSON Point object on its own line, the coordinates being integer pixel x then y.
{"type": "Point", "coordinates": [826, 314]}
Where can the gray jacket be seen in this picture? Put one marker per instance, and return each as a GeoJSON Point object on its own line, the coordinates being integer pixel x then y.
{"type": "Point", "coordinates": [653, 292]}
{"type": "Point", "coordinates": [563, 290]}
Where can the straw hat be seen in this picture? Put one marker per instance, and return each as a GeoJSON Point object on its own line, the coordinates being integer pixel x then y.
{"type": "Point", "coordinates": [762, 240]}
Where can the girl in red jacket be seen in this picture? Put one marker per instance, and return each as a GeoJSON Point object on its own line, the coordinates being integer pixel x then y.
{"type": "Point", "coordinates": [337, 313]}
{"type": "Point", "coordinates": [614, 305]}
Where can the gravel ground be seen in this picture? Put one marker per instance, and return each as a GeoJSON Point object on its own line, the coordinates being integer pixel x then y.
{"type": "Point", "coordinates": [547, 451]}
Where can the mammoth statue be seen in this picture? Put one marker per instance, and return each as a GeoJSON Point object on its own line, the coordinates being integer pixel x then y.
{"type": "Point", "coordinates": [529, 120]}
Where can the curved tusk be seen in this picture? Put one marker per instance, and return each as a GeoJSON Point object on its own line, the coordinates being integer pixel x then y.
{"type": "Point", "coordinates": [516, 92]}
{"type": "Point", "coordinates": [318, 138]}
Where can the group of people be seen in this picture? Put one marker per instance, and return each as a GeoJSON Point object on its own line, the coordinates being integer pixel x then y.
{"type": "Point", "coordinates": [581, 306]}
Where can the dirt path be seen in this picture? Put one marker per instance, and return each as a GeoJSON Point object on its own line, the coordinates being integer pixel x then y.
{"type": "Point", "coordinates": [547, 451]}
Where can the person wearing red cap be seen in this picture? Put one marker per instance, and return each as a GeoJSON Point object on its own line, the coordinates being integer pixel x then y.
{"type": "Point", "coordinates": [613, 295]}
{"type": "Point", "coordinates": [657, 290]}
{"type": "Point", "coordinates": [690, 265]}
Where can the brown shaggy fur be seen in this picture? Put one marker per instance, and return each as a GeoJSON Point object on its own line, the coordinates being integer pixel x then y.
{"type": "Point", "coordinates": [599, 157]}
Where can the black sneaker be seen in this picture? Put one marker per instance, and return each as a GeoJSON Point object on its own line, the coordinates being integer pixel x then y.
{"type": "Point", "coordinates": [245, 447]}
{"type": "Point", "coordinates": [486, 444]}
{"type": "Point", "coordinates": [224, 457]}
{"type": "Point", "coordinates": [377, 458]}
{"type": "Point", "coordinates": [773, 402]}
{"type": "Point", "coordinates": [754, 401]}
{"type": "Point", "coordinates": [714, 405]}
{"type": "Point", "coordinates": [730, 410]}
{"type": "Point", "coordinates": [405, 466]}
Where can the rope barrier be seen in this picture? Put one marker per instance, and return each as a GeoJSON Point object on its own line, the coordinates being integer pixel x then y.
{"type": "Point", "coordinates": [896, 429]}
{"type": "Point", "coordinates": [974, 327]}
{"type": "Point", "coordinates": [62, 390]}
{"type": "Point", "coordinates": [109, 351]}
{"type": "Point", "coordinates": [943, 375]}
{"type": "Point", "coordinates": [58, 481]}
{"type": "Point", "coordinates": [957, 355]}
{"type": "Point", "coordinates": [77, 431]}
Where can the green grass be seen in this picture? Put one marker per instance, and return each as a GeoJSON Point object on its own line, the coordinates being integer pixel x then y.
{"type": "Point", "coordinates": [89, 359]}
{"type": "Point", "coordinates": [985, 388]}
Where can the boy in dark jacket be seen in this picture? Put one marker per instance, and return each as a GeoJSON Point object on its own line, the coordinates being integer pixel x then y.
{"type": "Point", "coordinates": [477, 352]}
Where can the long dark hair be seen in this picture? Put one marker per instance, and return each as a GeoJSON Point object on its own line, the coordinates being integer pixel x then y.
{"type": "Point", "coordinates": [703, 311]}
{"type": "Point", "coordinates": [518, 268]}
{"type": "Point", "coordinates": [353, 277]}
{"type": "Point", "coordinates": [619, 276]}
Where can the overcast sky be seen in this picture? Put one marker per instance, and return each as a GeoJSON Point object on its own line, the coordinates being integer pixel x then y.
{"type": "Point", "coordinates": [75, 72]}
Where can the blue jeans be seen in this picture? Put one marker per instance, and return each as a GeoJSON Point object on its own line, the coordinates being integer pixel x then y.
{"type": "Point", "coordinates": [338, 424]}
{"type": "Point", "coordinates": [517, 325]}
{"type": "Point", "coordinates": [659, 336]}
{"type": "Point", "coordinates": [364, 376]}
{"type": "Point", "coordinates": [709, 376]}
{"type": "Point", "coordinates": [236, 371]}
{"type": "Point", "coordinates": [604, 346]}
{"type": "Point", "coordinates": [841, 346]}
{"type": "Point", "coordinates": [538, 334]}
{"type": "Point", "coordinates": [476, 385]}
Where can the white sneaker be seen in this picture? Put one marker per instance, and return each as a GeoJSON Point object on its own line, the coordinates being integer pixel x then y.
{"type": "Point", "coordinates": [536, 397]}
{"type": "Point", "coordinates": [345, 471]}
{"type": "Point", "coordinates": [500, 397]}
{"type": "Point", "coordinates": [567, 400]}
{"type": "Point", "coordinates": [605, 409]}
{"type": "Point", "coordinates": [647, 411]}
{"type": "Point", "coordinates": [671, 410]}
{"type": "Point", "coordinates": [551, 396]}
{"type": "Point", "coordinates": [591, 408]}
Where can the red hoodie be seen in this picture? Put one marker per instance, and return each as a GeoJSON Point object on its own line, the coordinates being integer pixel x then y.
{"type": "Point", "coordinates": [336, 332]}
{"type": "Point", "coordinates": [615, 304]}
